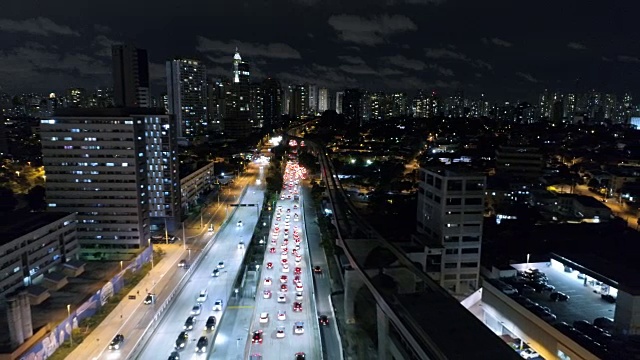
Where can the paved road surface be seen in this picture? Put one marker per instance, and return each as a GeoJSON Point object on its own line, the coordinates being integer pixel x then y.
{"type": "Point", "coordinates": [274, 348]}
{"type": "Point", "coordinates": [225, 248]}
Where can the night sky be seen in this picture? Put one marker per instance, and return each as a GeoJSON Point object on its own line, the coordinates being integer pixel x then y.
{"type": "Point", "coordinates": [507, 49]}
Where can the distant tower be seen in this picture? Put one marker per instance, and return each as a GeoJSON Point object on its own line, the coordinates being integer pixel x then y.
{"type": "Point", "coordinates": [237, 60]}
{"type": "Point", "coordinates": [130, 76]}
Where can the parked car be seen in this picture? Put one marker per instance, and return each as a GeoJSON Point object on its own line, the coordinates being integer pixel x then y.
{"type": "Point", "coordinates": [608, 298]}
{"type": "Point", "coordinates": [558, 296]}
{"type": "Point", "coordinates": [603, 323]}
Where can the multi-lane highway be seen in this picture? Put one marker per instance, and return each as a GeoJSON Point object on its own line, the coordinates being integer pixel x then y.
{"type": "Point", "coordinates": [227, 249]}
{"type": "Point", "coordinates": [279, 337]}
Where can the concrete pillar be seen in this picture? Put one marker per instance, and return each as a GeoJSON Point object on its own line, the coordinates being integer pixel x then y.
{"type": "Point", "coordinates": [14, 321]}
{"type": "Point", "coordinates": [383, 334]}
{"type": "Point", "coordinates": [627, 315]}
{"type": "Point", "coordinates": [352, 284]}
{"type": "Point", "coordinates": [25, 309]}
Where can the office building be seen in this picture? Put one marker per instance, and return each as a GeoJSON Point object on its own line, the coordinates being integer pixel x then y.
{"type": "Point", "coordinates": [256, 104]}
{"type": "Point", "coordinates": [339, 101]}
{"type": "Point", "coordinates": [312, 91]}
{"type": "Point", "coordinates": [33, 245]}
{"type": "Point", "coordinates": [323, 100]}
{"type": "Point", "coordinates": [519, 162]}
{"type": "Point", "coordinates": [352, 106]}
{"type": "Point", "coordinates": [187, 96]}
{"type": "Point", "coordinates": [272, 102]}
{"type": "Point", "coordinates": [237, 121]}
{"type": "Point", "coordinates": [130, 76]}
{"type": "Point", "coordinates": [299, 103]}
{"type": "Point", "coordinates": [76, 98]}
{"type": "Point", "coordinates": [450, 217]}
{"type": "Point", "coordinates": [287, 93]}
{"type": "Point", "coordinates": [216, 105]}
{"type": "Point", "coordinates": [96, 166]}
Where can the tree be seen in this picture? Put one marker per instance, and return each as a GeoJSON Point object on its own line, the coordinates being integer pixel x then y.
{"type": "Point", "coordinates": [9, 201]}
{"type": "Point", "coordinates": [36, 198]}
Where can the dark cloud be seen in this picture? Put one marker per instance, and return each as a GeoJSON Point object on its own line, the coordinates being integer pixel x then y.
{"type": "Point", "coordinates": [370, 30]}
{"type": "Point", "coordinates": [576, 46]}
{"type": "Point", "coordinates": [36, 26]}
{"type": "Point", "coordinates": [527, 77]}
{"type": "Point", "coordinates": [403, 62]}
{"type": "Point", "coordinates": [270, 50]}
{"type": "Point", "coordinates": [101, 28]}
{"type": "Point", "coordinates": [497, 41]}
{"type": "Point", "coordinates": [103, 45]}
{"type": "Point", "coordinates": [628, 59]}
{"type": "Point", "coordinates": [353, 60]}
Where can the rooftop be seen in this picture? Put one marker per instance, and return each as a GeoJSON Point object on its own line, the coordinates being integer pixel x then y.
{"type": "Point", "coordinates": [20, 223]}
{"type": "Point", "coordinates": [589, 201]}
{"type": "Point", "coordinates": [108, 112]}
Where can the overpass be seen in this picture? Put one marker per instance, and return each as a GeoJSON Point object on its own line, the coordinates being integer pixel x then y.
{"type": "Point", "coordinates": [416, 318]}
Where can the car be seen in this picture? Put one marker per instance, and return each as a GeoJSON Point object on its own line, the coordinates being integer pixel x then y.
{"type": "Point", "coordinates": [217, 306]}
{"type": "Point", "coordinates": [285, 268]}
{"type": "Point", "coordinates": [283, 279]}
{"type": "Point", "coordinates": [264, 317]}
{"type": "Point", "coordinates": [529, 353]}
{"type": "Point", "coordinates": [297, 270]}
{"type": "Point", "coordinates": [284, 262]}
{"type": "Point", "coordinates": [299, 295]}
{"type": "Point", "coordinates": [211, 323]}
{"type": "Point", "coordinates": [282, 315]}
{"type": "Point", "coordinates": [182, 263]}
{"type": "Point", "coordinates": [299, 286]}
{"type": "Point", "coordinates": [296, 217]}
{"type": "Point", "coordinates": [296, 279]}
{"type": "Point", "coordinates": [241, 245]}
{"type": "Point", "coordinates": [266, 294]}
{"type": "Point", "coordinates": [295, 206]}
{"type": "Point", "coordinates": [256, 338]}
{"type": "Point", "coordinates": [201, 346]}
{"type": "Point", "coordinates": [323, 320]}
{"type": "Point", "coordinates": [221, 265]}
{"type": "Point", "coordinates": [239, 223]}
{"type": "Point", "coordinates": [117, 342]}
{"type": "Point", "coordinates": [317, 270]}
{"type": "Point", "coordinates": [297, 306]}
{"type": "Point", "coordinates": [282, 298]}
{"type": "Point", "coordinates": [284, 288]}
{"type": "Point", "coordinates": [210, 228]}
{"type": "Point", "coordinates": [202, 297]}
{"type": "Point", "coordinates": [298, 258]}
{"type": "Point", "coordinates": [269, 265]}
{"type": "Point", "coordinates": [300, 356]}
{"type": "Point", "coordinates": [174, 356]}
{"type": "Point", "coordinates": [189, 323]}
{"type": "Point", "coordinates": [215, 273]}
{"type": "Point", "coordinates": [280, 332]}
{"type": "Point", "coordinates": [150, 299]}
{"type": "Point", "coordinates": [603, 323]}
{"type": "Point", "coordinates": [196, 310]}
{"type": "Point", "coordinates": [255, 356]}
{"type": "Point", "coordinates": [558, 296]}
{"type": "Point", "coordinates": [283, 256]}
{"type": "Point", "coordinates": [298, 327]}
{"type": "Point", "coordinates": [181, 341]}
{"type": "Point", "coordinates": [267, 281]}
{"type": "Point", "coordinates": [272, 250]}
{"type": "Point", "coordinates": [608, 298]}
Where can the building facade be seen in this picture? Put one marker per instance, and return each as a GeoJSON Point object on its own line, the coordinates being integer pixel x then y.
{"type": "Point", "coordinates": [323, 100]}
{"type": "Point", "coordinates": [96, 166]}
{"type": "Point", "coordinates": [130, 76]}
{"type": "Point", "coordinates": [450, 217]}
{"type": "Point", "coordinates": [522, 162]}
{"type": "Point", "coordinates": [272, 102]}
{"type": "Point", "coordinates": [195, 184]}
{"type": "Point", "coordinates": [33, 245]}
{"type": "Point", "coordinates": [187, 96]}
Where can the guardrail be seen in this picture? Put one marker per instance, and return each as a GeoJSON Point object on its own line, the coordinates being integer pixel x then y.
{"type": "Point", "coordinates": [144, 339]}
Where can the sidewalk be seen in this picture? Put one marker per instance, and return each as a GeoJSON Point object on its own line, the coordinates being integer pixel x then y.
{"type": "Point", "coordinates": [127, 317]}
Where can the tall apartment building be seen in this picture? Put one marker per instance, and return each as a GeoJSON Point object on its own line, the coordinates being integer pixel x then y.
{"type": "Point", "coordinates": [272, 102]}
{"type": "Point", "coordinates": [299, 105]}
{"type": "Point", "coordinates": [161, 134]}
{"type": "Point", "coordinates": [323, 100]}
{"type": "Point", "coordinates": [187, 96]}
{"type": "Point", "coordinates": [216, 106]}
{"type": "Point", "coordinates": [238, 121]}
{"type": "Point", "coordinates": [450, 217]}
{"type": "Point", "coordinates": [130, 76]}
{"type": "Point", "coordinates": [312, 94]}
{"type": "Point", "coordinates": [339, 102]}
{"type": "Point", "coordinates": [256, 102]}
{"type": "Point", "coordinates": [352, 101]}
{"type": "Point", "coordinates": [97, 165]}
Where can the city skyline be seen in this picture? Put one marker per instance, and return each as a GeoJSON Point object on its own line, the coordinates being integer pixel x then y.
{"type": "Point", "coordinates": [398, 46]}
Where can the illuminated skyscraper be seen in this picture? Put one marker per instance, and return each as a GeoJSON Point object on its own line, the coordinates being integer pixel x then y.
{"type": "Point", "coordinates": [186, 92]}
{"type": "Point", "coordinates": [238, 121]}
{"type": "Point", "coordinates": [323, 100]}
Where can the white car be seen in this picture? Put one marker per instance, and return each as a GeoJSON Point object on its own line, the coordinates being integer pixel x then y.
{"type": "Point", "coordinates": [221, 265]}
{"type": "Point", "coordinates": [283, 255]}
{"type": "Point", "coordinates": [196, 309]}
{"type": "Point", "coordinates": [282, 298]}
{"type": "Point", "coordinates": [266, 294]}
{"type": "Point", "coordinates": [298, 328]}
{"type": "Point", "coordinates": [202, 297]}
{"type": "Point", "coordinates": [529, 353]}
{"type": "Point", "coordinates": [285, 268]}
{"type": "Point", "coordinates": [280, 332]}
{"type": "Point", "coordinates": [217, 306]}
{"type": "Point", "coordinates": [296, 217]}
{"type": "Point", "coordinates": [299, 287]}
{"type": "Point", "coordinates": [299, 295]}
{"type": "Point", "coordinates": [239, 223]}
{"type": "Point", "coordinates": [267, 281]}
{"type": "Point", "coordinates": [282, 315]}
{"type": "Point", "coordinates": [264, 317]}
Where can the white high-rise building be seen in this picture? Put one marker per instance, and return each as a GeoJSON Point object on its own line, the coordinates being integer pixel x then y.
{"type": "Point", "coordinates": [450, 217]}
{"type": "Point", "coordinates": [103, 165]}
{"type": "Point", "coordinates": [323, 100]}
{"type": "Point", "coordinates": [312, 93]}
{"type": "Point", "coordinates": [187, 96]}
{"type": "Point", "coordinates": [339, 100]}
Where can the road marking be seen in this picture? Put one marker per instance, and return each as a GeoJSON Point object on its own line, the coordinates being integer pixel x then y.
{"type": "Point", "coordinates": [240, 307]}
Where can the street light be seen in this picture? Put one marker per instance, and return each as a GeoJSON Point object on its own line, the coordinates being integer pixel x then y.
{"type": "Point", "coordinates": [149, 241]}
{"type": "Point", "coordinates": [121, 265]}
{"type": "Point", "coordinates": [70, 333]}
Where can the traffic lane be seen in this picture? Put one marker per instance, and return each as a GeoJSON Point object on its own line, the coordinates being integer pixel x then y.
{"type": "Point", "coordinates": [224, 249]}
{"type": "Point", "coordinates": [273, 347]}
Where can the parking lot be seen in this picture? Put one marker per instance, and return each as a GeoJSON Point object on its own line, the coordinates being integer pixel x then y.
{"type": "Point", "coordinates": [584, 303]}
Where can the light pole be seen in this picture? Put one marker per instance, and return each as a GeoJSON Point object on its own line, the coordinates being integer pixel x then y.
{"type": "Point", "coordinates": [70, 333]}
{"type": "Point", "coordinates": [528, 260]}
{"type": "Point", "coordinates": [151, 253]}
{"type": "Point", "coordinates": [121, 265]}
